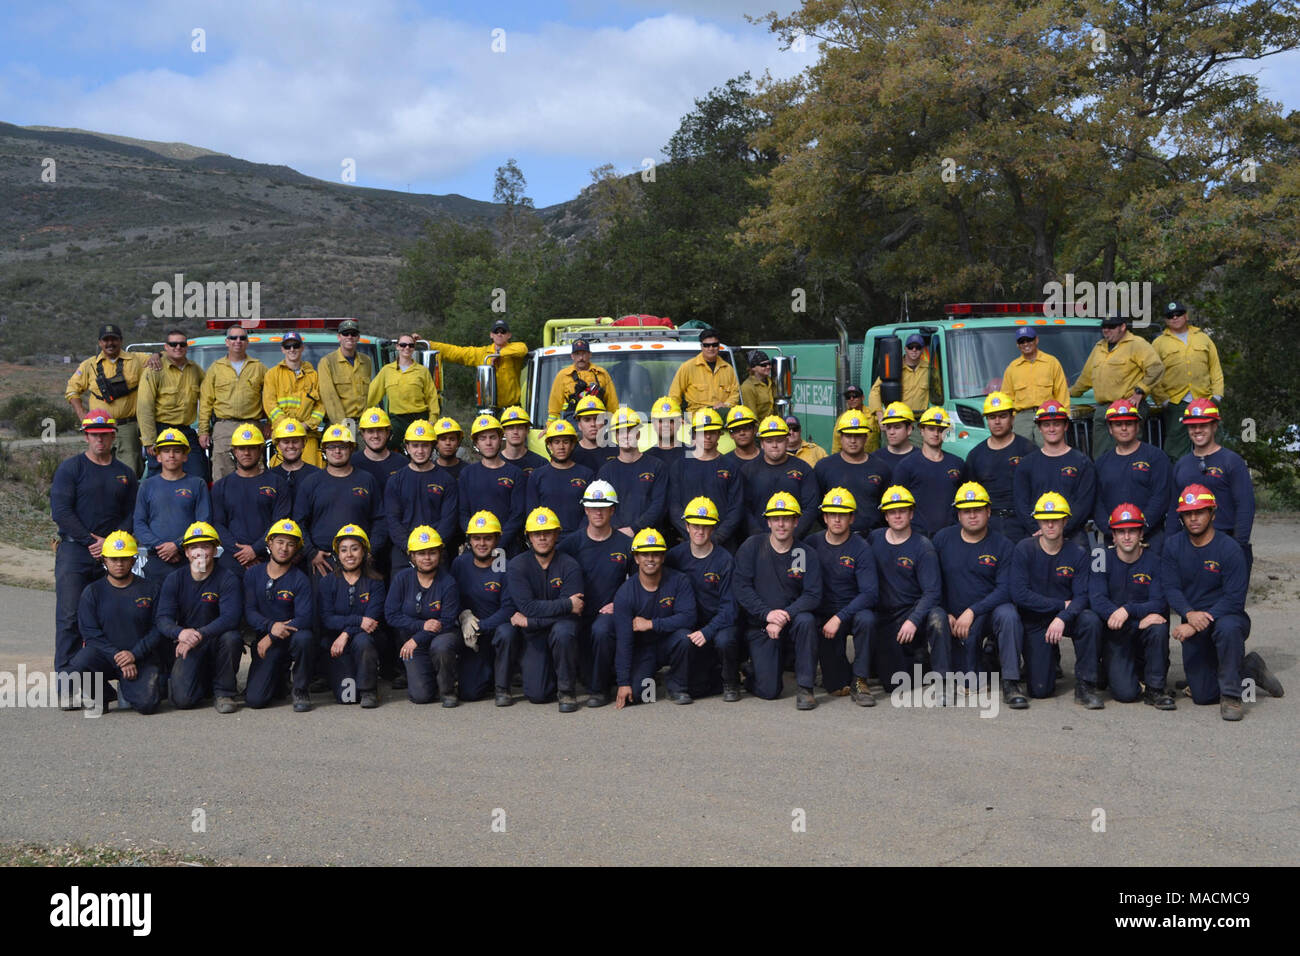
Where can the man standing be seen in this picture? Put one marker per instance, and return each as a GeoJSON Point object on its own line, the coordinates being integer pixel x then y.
{"type": "Point", "coordinates": [705, 473]}
{"type": "Point", "coordinates": [589, 419]}
{"type": "Point", "coordinates": [993, 462]}
{"type": "Point", "coordinates": [1121, 365]}
{"type": "Point", "coordinates": [898, 426]}
{"type": "Point", "coordinates": [492, 484]}
{"type": "Point", "coordinates": [1132, 473]}
{"type": "Point", "coordinates": [560, 482]}
{"type": "Point", "coordinates": [420, 494]}
{"type": "Point", "coordinates": [864, 476]}
{"type": "Point", "coordinates": [1058, 468]}
{"type": "Point", "coordinates": [375, 456]}
{"type": "Point", "coordinates": [916, 384]}
{"type": "Point", "coordinates": [808, 452]}
{"type": "Point", "coordinates": [1032, 379]}
{"type": "Point", "coordinates": [705, 381]}
{"type": "Point", "coordinates": [112, 377]}
{"type": "Point", "coordinates": [408, 387]}
{"type": "Point", "coordinates": [653, 612]}
{"type": "Point", "coordinates": [1192, 371]}
{"type": "Point", "coordinates": [853, 400]}
{"type": "Point", "coordinates": [232, 395]}
{"type": "Point", "coordinates": [757, 391]}
{"type": "Point", "coordinates": [247, 502]}
{"type": "Point", "coordinates": [516, 424]}
{"type": "Point", "coordinates": [165, 506]}
{"type": "Point", "coordinates": [345, 377]}
{"type": "Point", "coordinates": [742, 426]}
{"type": "Point", "coordinates": [506, 356]}
{"type": "Point", "coordinates": [640, 480]}
{"type": "Point", "coordinates": [778, 471]}
{"type": "Point", "coordinates": [933, 476]}
{"type": "Point", "coordinates": [169, 398]}
{"type": "Point", "coordinates": [91, 495]}
{"type": "Point", "coordinates": [778, 586]}
{"type": "Point", "coordinates": [334, 496]}
{"type": "Point", "coordinates": [291, 392]}
{"type": "Point", "coordinates": [576, 380]}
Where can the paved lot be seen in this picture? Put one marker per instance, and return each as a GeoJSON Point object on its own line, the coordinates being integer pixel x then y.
{"type": "Point", "coordinates": [709, 783]}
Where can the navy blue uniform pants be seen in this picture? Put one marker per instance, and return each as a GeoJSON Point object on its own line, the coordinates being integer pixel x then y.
{"type": "Point", "coordinates": [800, 635]}
{"type": "Point", "coordinates": [1123, 649]}
{"type": "Point", "coordinates": [208, 670]}
{"type": "Point", "coordinates": [597, 642]}
{"type": "Point", "coordinates": [716, 662]}
{"type": "Point", "coordinates": [74, 568]}
{"type": "Point", "coordinates": [1002, 626]}
{"type": "Point", "coordinates": [929, 646]}
{"type": "Point", "coordinates": [266, 674]}
{"type": "Point", "coordinates": [833, 653]}
{"type": "Point", "coordinates": [1040, 657]}
{"type": "Point", "coordinates": [431, 671]}
{"type": "Point", "coordinates": [1212, 658]}
{"type": "Point", "coordinates": [354, 671]}
{"type": "Point", "coordinates": [489, 666]}
{"type": "Point", "coordinates": [144, 693]}
{"type": "Point", "coordinates": [650, 651]}
{"type": "Point", "coordinates": [550, 660]}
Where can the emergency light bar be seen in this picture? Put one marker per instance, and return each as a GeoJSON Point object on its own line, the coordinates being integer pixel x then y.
{"type": "Point", "coordinates": [1038, 309]}
{"type": "Point", "coordinates": [220, 325]}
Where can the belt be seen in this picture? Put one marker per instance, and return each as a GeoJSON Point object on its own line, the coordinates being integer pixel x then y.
{"type": "Point", "coordinates": [240, 421]}
{"type": "Point", "coordinates": [173, 424]}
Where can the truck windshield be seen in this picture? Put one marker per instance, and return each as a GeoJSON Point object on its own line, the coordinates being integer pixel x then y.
{"type": "Point", "coordinates": [978, 357]}
{"type": "Point", "coordinates": [269, 353]}
{"type": "Point", "coordinates": [639, 377]}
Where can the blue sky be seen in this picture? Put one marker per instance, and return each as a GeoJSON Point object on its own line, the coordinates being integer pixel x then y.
{"type": "Point", "coordinates": [411, 91]}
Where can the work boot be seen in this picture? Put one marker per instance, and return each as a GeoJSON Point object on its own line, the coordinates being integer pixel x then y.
{"type": "Point", "coordinates": [805, 700]}
{"type": "Point", "coordinates": [503, 698]}
{"type": "Point", "coordinates": [399, 681]}
{"type": "Point", "coordinates": [1253, 666]}
{"type": "Point", "coordinates": [224, 705]}
{"type": "Point", "coordinates": [1159, 698]}
{"type": "Point", "coordinates": [1014, 696]}
{"type": "Point", "coordinates": [1086, 693]}
{"type": "Point", "coordinates": [319, 685]}
{"type": "Point", "coordinates": [842, 691]}
{"type": "Point", "coordinates": [1230, 708]}
{"type": "Point", "coordinates": [369, 699]}
{"type": "Point", "coordinates": [730, 693]}
{"type": "Point", "coordinates": [301, 702]}
{"type": "Point", "coordinates": [680, 697]}
{"type": "Point", "coordinates": [568, 703]}
{"type": "Point", "coordinates": [597, 700]}
{"type": "Point", "coordinates": [862, 695]}
{"type": "Point", "coordinates": [450, 700]}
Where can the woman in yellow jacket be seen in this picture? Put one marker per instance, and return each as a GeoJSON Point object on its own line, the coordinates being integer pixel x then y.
{"type": "Point", "coordinates": [408, 386]}
{"type": "Point", "coordinates": [292, 390]}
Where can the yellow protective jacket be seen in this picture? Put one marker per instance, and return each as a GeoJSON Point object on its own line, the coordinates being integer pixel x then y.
{"type": "Point", "coordinates": [510, 363]}
{"type": "Point", "coordinates": [810, 452]}
{"type": "Point", "coordinates": [1031, 383]}
{"type": "Point", "coordinates": [409, 391]}
{"type": "Point", "coordinates": [916, 389]}
{"type": "Point", "coordinates": [759, 397]}
{"type": "Point", "coordinates": [85, 380]}
{"type": "Point", "coordinates": [564, 385]}
{"type": "Point", "coordinates": [169, 396]}
{"type": "Point", "coordinates": [1193, 367]}
{"type": "Point", "coordinates": [344, 385]}
{"type": "Point", "coordinates": [296, 395]}
{"type": "Point", "coordinates": [227, 395]}
{"type": "Point", "coordinates": [1112, 374]}
{"type": "Point", "coordinates": [696, 386]}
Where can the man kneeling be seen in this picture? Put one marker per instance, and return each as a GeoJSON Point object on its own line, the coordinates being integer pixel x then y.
{"type": "Point", "coordinates": [653, 612]}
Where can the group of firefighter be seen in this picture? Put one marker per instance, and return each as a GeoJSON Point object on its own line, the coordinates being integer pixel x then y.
{"type": "Point", "coordinates": [601, 564]}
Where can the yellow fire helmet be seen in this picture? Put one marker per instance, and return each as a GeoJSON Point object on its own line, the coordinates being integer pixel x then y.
{"type": "Point", "coordinates": [352, 531]}
{"type": "Point", "coordinates": [285, 526]}
{"type": "Point", "coordinates": [119, 544]}
{"type": "Point", "coordinates": [854, 422]}
{"type": "Point", "coordinates": [560, 429]}
{"type": "Point", "coordinates": [666, 407]}
{"type": "Point", "coordinates": [172, 437]}
{"type": "Point", "coordinates": [995, 402]}
{"type": "Point", "coordinates": [289, 428]}
{"type": "Point", "coordinates": [542, 519]}
{"type": "Point", "coordinates": [896, 496]}
{"type": "Point", "coordinates": [484, 423]}
{"type": "Point", "coordinates": [971, 495]}
{"type": "Point", "coordinates": [199, 532]}
{"type": "Point", "coordinates": [446, 426]}
{"type": "Point", "coordinates": [374, 418]}
{"type": "Point", "coordinates": [515, 415]}
{"type": "Point", "coordinates": [782, 503]}
{"type": "Point", "coordinates": [707, 420]}
{"type": "Point", "coordinates": [338, 435]}
{"type": "Point", "coordinates": [483, 522]}
{"type": "Point", "coordinates": [896, 413]}
{"type": "Point", "coordinates": [625, 418]}
{"type": "Point", "coordinates": [701, 510]}
{"type": "Point", "coordinates": [1052, 505]}
{"type": "Point", "coordinates": [934, 415]}
{"type": "Point", "coordinates": [589, 405]}
{"type": "Point", "coordinates": [648, 539]}
{"type": "Point", "coordinates": [422, 538]}
{"type": "Point", "coordinates": [839, 501]}
{"type": "Point", "coordinates": [247, 436]}
{"type": "Point", "coordinates": [419, 430]}
{"type": "Point", "coordinates": [773, 427]}
{"type": "Point", "coordinates": [741, 415]}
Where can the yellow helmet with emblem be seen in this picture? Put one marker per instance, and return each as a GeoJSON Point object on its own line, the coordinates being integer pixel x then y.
{"type": "Point", "coordinates": [374, 417]}
{"type": "Point", "coordinates": [897, 413]}
{"type": "Point", "coordinates": [446, 426]}
{"type": "Point", "coordinates": [119, 544]}
{"type": "Point", "coordinates": [285, 526]}
{"type": "Point", "coordinates": [1051, 505]}
{"type": "Point", "coordinates": [648, 539]}
{"type": "Point", "coordinates": [741, 415]}
{"type": "Point", "coordinates": [515, 415]}
{"type": "Point", "coordinates": [935, 415]}
{"type": "Point", "coordinates": [247, 436]}
{"type": "Point", "coordinates": [542, 519]}
{"type": "Point", "coordinates": [839, 501]}
{"type": "Point", "coordinates": [666, 407]}
{"type": "Point", "coordinates": [483, 522]}
{"type": "Point", "coordinates": [198, 533]}
{"type": "Point", "coordinates": [589, 405]}
{"type": "Point", "coordinates": [782, 503]}
{"type": "Point", "coordinates": [560, 429]}
{"type": "Point", "coordinates": [625, 418]}
{"type": "Point", "coordinates": [701, 510]}
{"type": "Point", "coordinates": [773, 427]}
{"type": "Point", "coordinates": [338, 435]}
{"type": "Point", "coordinates": [896, 496]}
{"type": "Point", "coordinates": [854, 422]}
{"type": "Point", "coordinates": [971, 495]}
{"type": "Point", "coordinates": [419, 430]}
{"type": "Point", "coordinates": [484, 423]}
{"type": "Point", "coordinates": [995, 402]}
{"type": "Point", "coordinates": [422, 538]}
{"type": "Point", "coordinates": [289, 428]}
{"type": "Point", "coordinates": [707, 420]}
{"type": "Point", "coordinates": [171, 437]}
{"type": "Point", "coordinates": [351, 531]}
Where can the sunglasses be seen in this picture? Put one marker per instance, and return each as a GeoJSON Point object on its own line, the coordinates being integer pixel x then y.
{"type": "Point", "coordinates": [351, 333]}
{"type": "Point", "coordinates": [914, 348]}
{"type": "Point", "coordinates": [236, 338]}
{"type": "Point", "coordinates": [406, 345]}
{"type": "Point", "coordinates": [710, 345]}
{"type": "Point", "coordinates": [291, 346]}
{"type": "Point", "coordinates": [177, 345]}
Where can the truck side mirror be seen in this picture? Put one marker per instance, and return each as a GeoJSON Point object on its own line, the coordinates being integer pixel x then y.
{"type": "Point", "coordinates": [485, 388]}
{"type": "Point", "coordinates": [783, 372]}
{"type": "Point", "coordinates": [891, 370]}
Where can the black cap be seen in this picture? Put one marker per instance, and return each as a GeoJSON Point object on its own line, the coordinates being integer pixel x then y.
{"type": "Point", "coordinates": [758, 357]}
{"type": "Point", "coordinates": [349, 325]}
{"type": "Point", "coordinates": [853, 390]}
{"type": "Point", "coordinates": [1174, 308]}
{"type": "Point", "coordinates": [499, 326]}
{"type": "Point", "coordinates": [110, 331]}
{"type": "Point", "coordinates": [792, 423]}
{"type": "Point", "coordinates": [581, 345]}
{"type": "Point", "coordinates": [1110, 321]}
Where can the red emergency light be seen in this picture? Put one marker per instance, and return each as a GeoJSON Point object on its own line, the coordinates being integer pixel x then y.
{"type": "Point", "coordinates": [1038, 309]}
{"type": "Point", "coordinates": [220, 325]}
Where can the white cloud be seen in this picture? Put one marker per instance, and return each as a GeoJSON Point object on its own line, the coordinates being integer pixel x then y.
{"type": "Point", "coordinates": [410, 99]}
